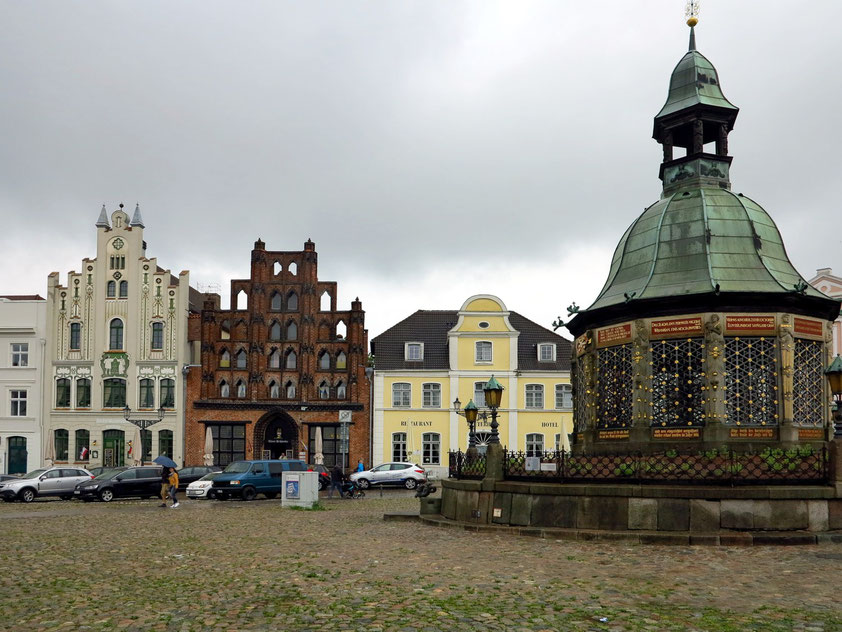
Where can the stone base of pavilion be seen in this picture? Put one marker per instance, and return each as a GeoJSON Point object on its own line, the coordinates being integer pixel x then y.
{"type": "Point", "coordinates": [667, 514]}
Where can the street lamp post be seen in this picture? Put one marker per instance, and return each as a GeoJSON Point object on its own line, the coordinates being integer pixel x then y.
{"type": "Point", "coordinates": [143, 424]}
{"type": "Point", "coordinates": [493, 393]}
{"type": "Point", "coordinates": [834, 378]}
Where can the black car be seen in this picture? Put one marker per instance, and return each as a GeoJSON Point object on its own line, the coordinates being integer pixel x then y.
{"type": "Point", "coordinates": [187, 475]}
{"type": "Point", "coordinates": [122, 482]}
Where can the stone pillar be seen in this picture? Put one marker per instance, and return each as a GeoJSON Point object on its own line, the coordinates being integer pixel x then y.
{"type": "Point", "coordinates": [667, 145]}
{"type": "Point", "coordinates": [788, 433]}
{"type": "Point", "coordinates": [494, 462]}
{"type": "Point", "coordinates": [698, 137]}
{"type": "Point", "coordinates": [714, 373]}
{"type": "Point", "coordinates": [722, 141]}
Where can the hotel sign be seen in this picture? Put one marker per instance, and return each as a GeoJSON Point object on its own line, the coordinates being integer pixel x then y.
{"type": "Point", "coordinates": [677, 327]}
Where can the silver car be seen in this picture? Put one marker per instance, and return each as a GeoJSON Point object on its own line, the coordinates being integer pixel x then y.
{"type": "Point", "coordinates": [408, 475]}
{"type": "Point", "coordinates": [203, 488]}
{"type": "Point", "coordinates": [47, 481]}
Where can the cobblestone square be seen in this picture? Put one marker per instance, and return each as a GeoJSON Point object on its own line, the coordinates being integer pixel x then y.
{"type": "Point", "coordinates": [130, 565]}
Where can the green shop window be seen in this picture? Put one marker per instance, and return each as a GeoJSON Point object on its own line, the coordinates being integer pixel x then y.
{"type": "Point", "coordinates": [114, 393]}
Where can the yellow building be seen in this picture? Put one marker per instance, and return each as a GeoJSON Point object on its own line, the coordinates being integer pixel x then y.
{"type": "Point", "coordinates": [423, 363]}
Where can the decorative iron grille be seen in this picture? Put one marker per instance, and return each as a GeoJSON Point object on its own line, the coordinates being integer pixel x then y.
{"type": "Point", "coordinates": [801, 465]}
{"type": "Point", "coordinates": [580, 400]}
{"type": "Point", "coordinates": [465, 466]}
{"type": "Point", "coordinates": [751, 381]}
{"type": "Point", "coordinates": [677, 380]}
{"type": "Point", "coordinates": [808, 383]}
{"type": "Point", "coordinates": [614, 387]}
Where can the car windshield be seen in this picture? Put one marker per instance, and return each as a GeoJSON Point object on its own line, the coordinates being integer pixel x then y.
{"type": "Point", "coordinates": [108, 473]}
{"type": "Point", "coordinates": [238, 467]}
{"type": "Point", "coordinates": [34, 473]}
{"type": "Point", "coordinates": [210, 476]}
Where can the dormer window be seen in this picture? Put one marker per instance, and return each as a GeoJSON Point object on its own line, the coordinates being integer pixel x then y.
{"type": "Point", "coordinates": [546, 352]}
{"type": "Point", "coordinates": [414, 351]}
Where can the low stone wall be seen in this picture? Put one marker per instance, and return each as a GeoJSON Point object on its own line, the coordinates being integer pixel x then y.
{"type": "Point", "coordinates": [668, 508]}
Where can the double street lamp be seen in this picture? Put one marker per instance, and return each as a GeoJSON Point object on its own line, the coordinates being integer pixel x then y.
{"type": "Point", "coordinates": [143, 424]}
{"type": "Point", "coordinates": [493, 394]}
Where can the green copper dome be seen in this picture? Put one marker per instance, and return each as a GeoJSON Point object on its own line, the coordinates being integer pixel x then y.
{"type": "Point", "coordinates": [694, 82]}
{"type": "Point", "coordinates": [700, 240]}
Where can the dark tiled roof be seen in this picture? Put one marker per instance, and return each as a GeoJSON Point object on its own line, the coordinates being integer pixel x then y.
{"type": "Point", "coordinates": [22, 297]}
{"type": "Point", "coordinates": [431, 326]}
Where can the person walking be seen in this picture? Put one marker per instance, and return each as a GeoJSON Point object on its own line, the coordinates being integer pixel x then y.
{"type": "Point", "coordinates": [173, 481]}
{"type": "Point", "coordinates": [336, 478]}
{"type": "Point", "coordinates": [360, 466]}
{"type": "Point", "coordinates": [165, 486]}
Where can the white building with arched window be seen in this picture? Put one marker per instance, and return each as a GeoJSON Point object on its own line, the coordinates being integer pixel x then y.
{"type": "Point", "coordinates": [116, 339]}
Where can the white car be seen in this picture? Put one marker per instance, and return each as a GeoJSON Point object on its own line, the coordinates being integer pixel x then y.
{"type": "Point", "coordinates": [203, 488]}
{"type": "Point", "coordinates": [408, 475]}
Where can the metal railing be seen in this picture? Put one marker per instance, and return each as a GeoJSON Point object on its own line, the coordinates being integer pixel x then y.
{"type": "Point", "coordinates": [466, 466]}
{"type": "Point", "coordinates": [801, 465]}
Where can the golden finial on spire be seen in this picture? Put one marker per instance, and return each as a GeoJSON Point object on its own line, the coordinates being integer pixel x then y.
{"type": "Point", "coordinates": [691, 12]}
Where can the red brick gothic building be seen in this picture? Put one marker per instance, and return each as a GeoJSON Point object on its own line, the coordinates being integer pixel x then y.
{"type": "Point", "coordinates": [279, 366]}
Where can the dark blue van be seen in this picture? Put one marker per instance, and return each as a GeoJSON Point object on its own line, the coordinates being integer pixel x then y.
{"type": "Point", "coordinates": [247, 479]}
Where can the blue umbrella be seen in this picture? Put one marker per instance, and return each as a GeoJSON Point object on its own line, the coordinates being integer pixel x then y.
{"type": "Point", "coordinates": [165, 461]}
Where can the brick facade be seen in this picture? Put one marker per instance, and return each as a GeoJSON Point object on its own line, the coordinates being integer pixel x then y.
{"type": "Point", "coordinates": [287, 366]}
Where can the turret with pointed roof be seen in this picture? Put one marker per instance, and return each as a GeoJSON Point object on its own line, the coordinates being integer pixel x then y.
{"type": "Point", "coordinates": [102, 222]}
{"type": "Point", "coordinates": [137, 220]}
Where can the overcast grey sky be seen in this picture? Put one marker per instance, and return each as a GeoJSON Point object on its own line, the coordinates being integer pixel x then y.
{"type": "Point", "coordinates": [432, 149]}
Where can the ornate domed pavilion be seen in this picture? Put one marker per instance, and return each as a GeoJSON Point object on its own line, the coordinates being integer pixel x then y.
{"type": "Point", "coordinates": [704, 332]}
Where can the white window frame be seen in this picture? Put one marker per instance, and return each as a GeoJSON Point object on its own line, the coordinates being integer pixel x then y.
{"type": "Point", "coordinates": [560, 391]}
{"type": "Point", "coordinates": [480, 344]}
{"type": "Point", "coordinates": [431, 440]}
{"type": "Point", "coordinates": [412, 345]}
{"type": "Point", "coordinates": [396, 403]}
{"type": "Point", "coordinates": [546, 345]}
{"type": "Point", "coordinates": [22, 354]}
{"type": "Point", "coordinates": [431, 395]}
{"type": "Point", "coordinates": [18, 396]}
{"type": "Point", "coordinates": [399, 441]}
{"type": "Point", "coordinates": [529, 444]}
{"type": "Point", "coordinates": [533, 392]}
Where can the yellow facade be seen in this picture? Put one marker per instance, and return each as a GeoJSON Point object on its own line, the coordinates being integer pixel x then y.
{"type": "Point", "coordinates": [410, 403]}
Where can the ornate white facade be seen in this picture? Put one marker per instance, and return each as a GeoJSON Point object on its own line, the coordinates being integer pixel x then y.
{"type": "Point", "coordinates": [22, 347]}
{"type": "Point", "coordinates": [117, 337]}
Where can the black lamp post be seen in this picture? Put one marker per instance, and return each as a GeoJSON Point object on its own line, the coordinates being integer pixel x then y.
{"type": "Point", "coordinates": [834, 378]}
{"type": "Point", "coordinates": [493, 394]}
{"type": "Point", "coordinates": [143, 424]}
{"type": "Point", "coordinates": [470, 415]}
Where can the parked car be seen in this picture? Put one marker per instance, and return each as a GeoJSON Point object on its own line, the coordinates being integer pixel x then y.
{"type": "Point", "coordinates": [203, 488]}
{"type": "Point", "coordinates": [324, 475]}
{"type": "Point", "coordinates": [122, 482]}
{"type": "Point", "coordinates": [8, 477]}
{"type": "Point", "coordinates": [187, 475]}
{"type": "Point", "coordinates": [48, 481]}
{"type": "Point", "coordinates": [247, 479]}
{"type": "Point", "coordinates": [96, 471]}
{"type": "Point", "coordinates": [394, 473]}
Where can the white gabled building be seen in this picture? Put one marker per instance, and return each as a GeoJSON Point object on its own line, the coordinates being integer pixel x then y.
{"type": "Point", "coordinates": [117, 338]}
{"type": "Point", "coordinates": [22, 348]}
{"type": "Point", "coordinates": [825, 281]}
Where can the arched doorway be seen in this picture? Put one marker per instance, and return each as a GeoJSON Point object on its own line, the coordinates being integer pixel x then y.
{"type": "Point", "coordinates": [276, 436]}
{"type": "Point", "coordinates": [17, 455]}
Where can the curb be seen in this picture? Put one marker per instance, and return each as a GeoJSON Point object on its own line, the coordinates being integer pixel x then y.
{"type": "Point", "coordinates": [673, 538]}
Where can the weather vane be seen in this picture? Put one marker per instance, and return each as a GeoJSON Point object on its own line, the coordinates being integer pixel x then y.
{"type": "Point", "coordinates": [691, 12]}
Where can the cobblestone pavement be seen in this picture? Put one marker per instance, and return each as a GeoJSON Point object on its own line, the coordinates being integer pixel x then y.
{"type": "Point", "coordinates": [209, 565]}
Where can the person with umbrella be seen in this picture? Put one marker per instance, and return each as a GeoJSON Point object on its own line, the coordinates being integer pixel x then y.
{"type": "Point", "coordinates": [167, 463]}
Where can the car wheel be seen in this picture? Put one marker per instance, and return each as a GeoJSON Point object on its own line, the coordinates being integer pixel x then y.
{"type": "Point", "coordinates": [211, 494]}
{"type": "Point", "coordinates": [363, 483]}
{"type": "Point", "coordinates": [27, 495]}
{"type": "Point", "coordinates": [249, 493]}
{"type": "Point", "coordinates": [410, 483]}
{"type": "Point", "coordinates": [321, 485]}
{"type": "Point", "coordinates": [106, 495]}
{"type": "Point", "coordinates": [270, 495]}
